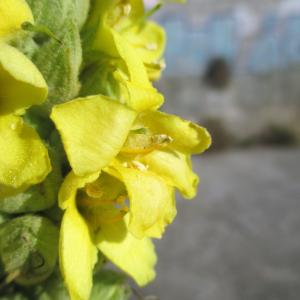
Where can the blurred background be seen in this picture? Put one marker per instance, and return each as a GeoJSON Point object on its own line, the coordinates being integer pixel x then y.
{"type": "Point", "coordinates": [234, 67]}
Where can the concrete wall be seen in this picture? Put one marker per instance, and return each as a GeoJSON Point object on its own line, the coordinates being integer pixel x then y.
{"type": "Point", "coordinates": [249, 105]}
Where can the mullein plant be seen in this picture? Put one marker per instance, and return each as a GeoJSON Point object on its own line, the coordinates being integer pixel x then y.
{"type": "Point", "coordinates": [88, 162]}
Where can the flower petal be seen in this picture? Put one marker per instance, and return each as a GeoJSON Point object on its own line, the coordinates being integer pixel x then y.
{"type": "Point", "coordinates": [137, 9]}
{"type": "Point", "coordinates": [93, 130]}
{"type": "Point", "coordinates": [24, 159]}
{"type": "Point", "coordinates": [22, 85]}
{"type": "Point", "coordinates": [175, 168]}
{"type": "Point", "coordinates": [12, 14]}
{"type": "Point", "coordinates": [149, 41]}
{"type": "Point", "coordinates": [77, 254]}
{"type": "Point", "coordinates": [187, 137]}
{"type": "Point", "coordinates": [134, 256]}
{"type": "Point", "coordinates": [152, 202]}
{"type": "Point", "coordinates": [140, 98]}
{"type": "Point", "coordinates": [68, 190]}
{"type": "Point", "coordinates": [135, 67]}
{"type": "Point", "coordinates": [142, 95]}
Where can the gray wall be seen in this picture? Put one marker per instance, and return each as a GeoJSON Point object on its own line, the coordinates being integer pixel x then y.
{"type": "Point", "coordinates": [251, 103]}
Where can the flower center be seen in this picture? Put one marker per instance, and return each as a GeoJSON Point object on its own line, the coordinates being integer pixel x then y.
{"type": "Point", "coordinates": [143, 142]}
{"type": "Point", "coordinates": [103, 201]}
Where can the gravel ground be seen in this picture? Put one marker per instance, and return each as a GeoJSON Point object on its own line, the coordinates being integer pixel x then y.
{"type": "Point", "coordinates": [240, 239]}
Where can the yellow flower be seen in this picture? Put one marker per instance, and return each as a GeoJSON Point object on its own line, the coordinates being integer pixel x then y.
{"type": "Point", "coordinates": [148, 38]}
{"type": "Point", "coordinates": [100, 225]}
{"type": "Point", "coordinates": [155, 157]}
{"type": "Point", "coordinates": [99, 133]}
{"type": "Point", "coordinates": [129, 19]}
{"type": "Point", "coordinates": [23, 157]}
{"type": "Point", "coordinates": [122, 38]}
{"type": "Point", "coordinates": [136, 89]}
{"type": "Point", "coordinates": [122, 149]}
{"type": "Point", "coordinates": [116, 153]}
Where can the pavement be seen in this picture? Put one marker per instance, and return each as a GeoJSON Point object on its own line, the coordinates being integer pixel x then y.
{"type": "Point", "coordinates": [240, 239]}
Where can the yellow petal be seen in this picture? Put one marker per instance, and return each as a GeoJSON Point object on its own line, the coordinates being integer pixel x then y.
{"type": "Point", "coordinates": [102, 10]}
{"type": "Point", "coordinates": [24, 159]}
{"type": "Point", "coordinates": [12, 14]}
{"type": "Point", "coordinates": [140, 98]}
{"type": "Point", "coordinates": [77, 254]}
{"type": "Point", "coordinates": [187, 136]}
{"type": "Point", "coordinates": [134, 256]}
{"type": "Point", "coordinates": [22, 85]}
{"type": "Point", "coordinates": [137, 9]}
{"type": "Point", "coordinates": [175, 168]}
{"type": "Point", "coordinates": [136, 70]}
{"type": "Point", "coordinates": [93, 130]}
{"type": "Point", "coordinates": [141, 94]}
{"type": "Point", "coordinates": [68, 190]}
{"type": "Point", "coordinates": [101, 31]}
{"type": "Point", "coordinates": [149, 41]}
{"type": "Point", "coordinates": [152, 202]}
{"type": "Point", "coordinates": [98, 11]}
{"type": "Point", "coordinates": [104, 15]}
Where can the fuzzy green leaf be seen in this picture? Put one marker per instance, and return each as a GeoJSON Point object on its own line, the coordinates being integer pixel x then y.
{"type": "Point", "coordinates": [28, 248]}
{"type": "Point", "coordinates": [52, 289]}
{"type": "Point", "coordinates": [3, 218]}
{"type": "Point", "coordinates": [109, 285]}
{"type": "Point", "coordinates": [97, 78]}
{"type": "Point", "coordinates": [82, 10]}
{"type": "Point", "coordinates": [16, 296]}
{"type": "Point", "coordinates": [57, 55]}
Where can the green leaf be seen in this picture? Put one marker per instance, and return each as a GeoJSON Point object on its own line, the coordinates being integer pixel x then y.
{"type": "Point", "coordinates": [3, 218]}
{"type": "Point", "coordinates": [82, 10]}
{"type": "Point", "coordinates": [27, 26]}
{"type": "Point", "coordinates": [53, 289]}
{"type": "Point", "coordinates": [28, 248]}
{"type": "Point", "coordinates": [41, 124]}
{"type": "Point", "coordinates": [58, 58]}
{"type": "Point", "coordinates": [14, 297]}
{"type": "Point", "coordinates": [98, 78]}
{"type": "Point", "coordinates": [38, 197]}
{"type": "Point", "coordinates": [109, 285]}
